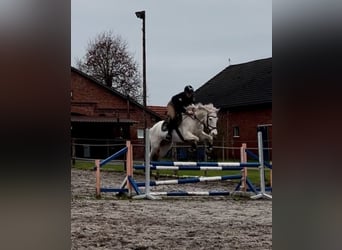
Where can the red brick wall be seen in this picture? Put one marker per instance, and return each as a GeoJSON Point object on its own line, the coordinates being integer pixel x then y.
{"type": "Point", "coordinates": [90, 99]}
{"type": "Point", "coordinates": [247, 120]}
{"type": "Point", "coordinates": [93, 100]}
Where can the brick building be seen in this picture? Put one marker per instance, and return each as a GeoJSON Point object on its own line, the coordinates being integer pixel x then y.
{"type": "Point", "coordinates": [243, 92]}
{"type": "Point", "coordinates": [102, 119]}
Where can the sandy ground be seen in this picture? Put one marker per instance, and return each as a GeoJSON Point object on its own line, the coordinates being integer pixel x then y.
{"type": "Point", "coordinates": [170, 223]}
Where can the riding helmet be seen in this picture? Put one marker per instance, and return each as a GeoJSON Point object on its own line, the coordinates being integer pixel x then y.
{"type": "Point", "coordinates": [189, 89]}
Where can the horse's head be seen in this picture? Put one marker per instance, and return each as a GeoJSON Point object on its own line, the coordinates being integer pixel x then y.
{"type": "Point", "coordinates": [212, 119]}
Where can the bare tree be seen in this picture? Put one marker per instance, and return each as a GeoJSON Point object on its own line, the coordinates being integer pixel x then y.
{"type": "Point", "coordinates": [108, 60]}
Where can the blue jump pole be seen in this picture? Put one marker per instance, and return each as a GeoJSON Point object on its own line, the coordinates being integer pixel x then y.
{"type": "Point", "coordinates": [142, 167]}
{"type": "Point", "coordinates": [184, 193]}
{"type": "Point", "coordinates": [255, 157]}
{"type": "Point", "coordinates": [190, 180]}
{"type": "Point", "coordinates": [113, 156]}
{"type": "Point", "coordinates": [205, 164]}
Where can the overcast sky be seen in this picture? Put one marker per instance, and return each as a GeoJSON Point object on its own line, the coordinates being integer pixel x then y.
{"type": "Point", "coordinates": [187, 41]}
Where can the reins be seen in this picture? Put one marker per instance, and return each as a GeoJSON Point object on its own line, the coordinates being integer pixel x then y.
{"type": "Point", "coordinates": [203, 121]}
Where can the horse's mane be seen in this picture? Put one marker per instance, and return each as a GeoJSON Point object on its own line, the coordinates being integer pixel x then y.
{"type": "Point", "coordinates": [198, 106]}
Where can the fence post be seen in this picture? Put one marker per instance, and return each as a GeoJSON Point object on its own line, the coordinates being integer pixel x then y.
{"type": "Point", "coordinates": [243, 159]}
{"type": "Point", "coordinates": [147, 194]}
{"type": "Point", "coordinates": [262, 192]}
{"type": "Point", "coordinates": [129, 165]}
{"type": "Point", "coordinates": [98, 181]}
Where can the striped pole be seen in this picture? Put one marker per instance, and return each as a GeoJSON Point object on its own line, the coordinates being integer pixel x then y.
{"type": "Point", "coordinates": [205, 164]}
{"type": "Point", "coordinates": [195, 193]}
{"type": "Point", "coordinates": [199, 166]}
{"type": "Point", "coordinates": [190, 180]}
{"type": "Point", "coordinates": [113, 156]}
{"type": "Point", "coordinates": [141, 167]}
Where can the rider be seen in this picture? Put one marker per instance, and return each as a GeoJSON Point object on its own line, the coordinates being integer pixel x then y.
{"type": "Point", "coordinates": [176, 107]}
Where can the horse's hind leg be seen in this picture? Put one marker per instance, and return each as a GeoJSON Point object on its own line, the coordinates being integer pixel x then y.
{"type": "Point", "coordinates": [164, 149]}
{"type": "Point", "coordinates": [154, 155]}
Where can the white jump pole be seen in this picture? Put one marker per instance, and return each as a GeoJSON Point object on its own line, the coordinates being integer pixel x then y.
{"type": "Point", "coordinates": [262, 193]}
{"type": "Point", "coordinates": [147, 194]}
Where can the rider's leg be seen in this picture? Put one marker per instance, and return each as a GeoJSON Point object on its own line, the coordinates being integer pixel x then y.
{"type": "Point", "coordinates": [171, 126]}
{"type": "Point", "coordinates": [166, 123]}
{"type": "Point", "coordinates": [170, 120]}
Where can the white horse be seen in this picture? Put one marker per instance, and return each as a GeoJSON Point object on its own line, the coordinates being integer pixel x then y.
{"type": "Point", "coordinates": [193, 129]}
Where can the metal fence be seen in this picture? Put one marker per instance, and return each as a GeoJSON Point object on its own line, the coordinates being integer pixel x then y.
{"type": "Point", "coordinates": [100, 149]}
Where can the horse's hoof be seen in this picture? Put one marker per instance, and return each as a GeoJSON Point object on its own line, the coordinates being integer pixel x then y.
{"type": "Point", "coordinates": [191, 150]}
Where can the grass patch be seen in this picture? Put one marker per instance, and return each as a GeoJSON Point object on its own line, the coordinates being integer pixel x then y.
{"type": "Point", "coordinates": [89, 165]}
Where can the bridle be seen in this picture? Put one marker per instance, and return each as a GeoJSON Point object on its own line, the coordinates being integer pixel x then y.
{"type": "Point", "coordinates": [208, 126]}
{"type": "Point", "coordinates": [205, 122]}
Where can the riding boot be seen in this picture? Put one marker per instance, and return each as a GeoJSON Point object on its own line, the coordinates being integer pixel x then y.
{"type": "Point", "coordinates": [166, 124]}
{"type": "Point", "coordinates": [169, 130]}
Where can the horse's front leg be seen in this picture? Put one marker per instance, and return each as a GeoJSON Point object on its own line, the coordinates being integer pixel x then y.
{"type": "Point", "coordinates": [209, 141]}
{"type": "Point", "coordinates": [205, 137]}
{"type": "Point", "coordinates": [193, 145]}
{"type": "Point", "coordinates": [192, 139]}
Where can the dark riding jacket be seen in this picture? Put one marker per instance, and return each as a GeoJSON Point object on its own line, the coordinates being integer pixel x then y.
{"type": "Point", "coordinates": [180, 101]}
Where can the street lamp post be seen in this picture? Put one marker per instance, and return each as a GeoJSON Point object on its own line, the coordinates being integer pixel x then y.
{"type": "Point", "coordinates": [141, 15]}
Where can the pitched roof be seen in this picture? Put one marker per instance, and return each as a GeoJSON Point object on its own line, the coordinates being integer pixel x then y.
{"type": "Point", "coordinates": [115, 92]}
{"type": "Point", "coordinates": [161, 110]}
{"type": "Point", "coordinates": [239, 85]}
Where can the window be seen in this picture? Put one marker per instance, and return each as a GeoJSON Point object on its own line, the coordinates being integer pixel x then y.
{"type": "Point", "coordinates": [86, 151]}
{"type": "Point", "coordinates": [140, 133]}
{"type": "Point", "coordinates": [236, 131]}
